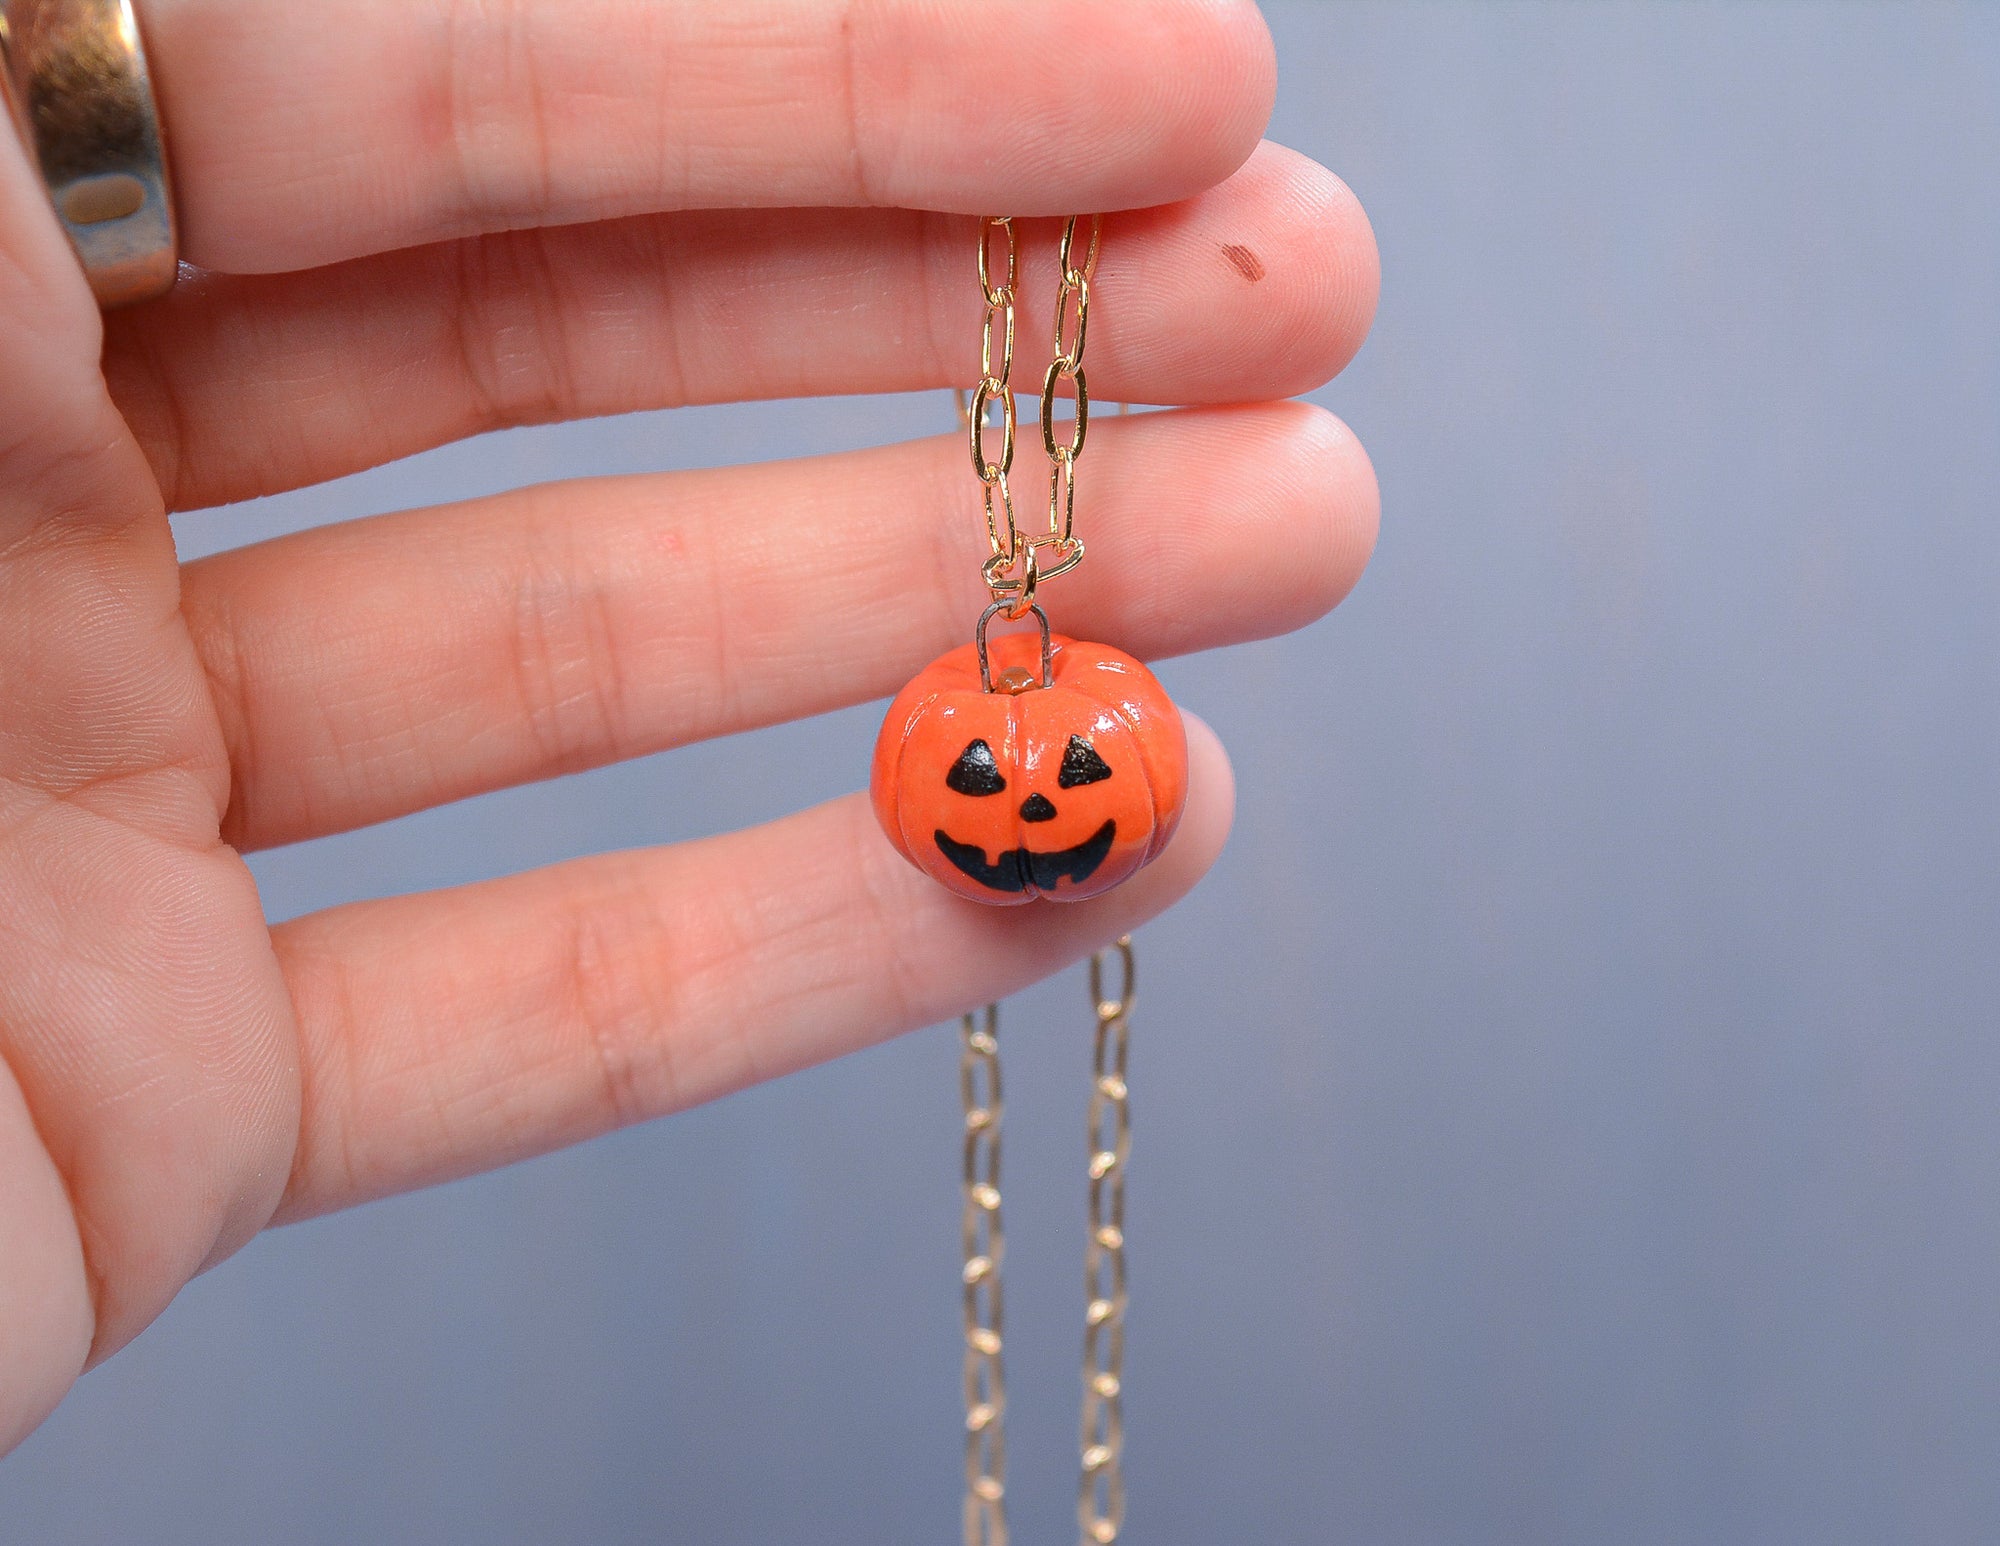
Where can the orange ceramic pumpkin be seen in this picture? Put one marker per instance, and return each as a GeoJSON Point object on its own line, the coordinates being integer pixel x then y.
{"type": "Point", "coordinates": [1060, 790]}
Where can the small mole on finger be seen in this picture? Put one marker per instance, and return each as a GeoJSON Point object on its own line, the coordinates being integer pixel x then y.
{"type": "Point", "coordinates": [1245, 262]}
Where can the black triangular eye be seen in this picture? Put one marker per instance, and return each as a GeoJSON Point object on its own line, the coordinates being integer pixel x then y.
{"type": "Point", "coordinates": [975, 772]}
{"type": "Point", "coordinates": [1081, 765]}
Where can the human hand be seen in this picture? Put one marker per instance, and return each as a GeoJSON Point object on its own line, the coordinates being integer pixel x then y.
{"type": "Point", "coordinates": [422, 221]}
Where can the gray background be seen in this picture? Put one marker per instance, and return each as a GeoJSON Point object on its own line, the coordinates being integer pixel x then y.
{"type": "Point", "coordinates": [1568, 1113]}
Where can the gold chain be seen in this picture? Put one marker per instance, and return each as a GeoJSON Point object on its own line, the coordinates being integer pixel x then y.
{"type": "Point", "coordinates": [1016, 565]}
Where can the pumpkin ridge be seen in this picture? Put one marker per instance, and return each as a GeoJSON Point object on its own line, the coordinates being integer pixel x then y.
{"type": "Point", "coordinates": [1117, 711]}
{"type": "Point", "coordinates": [1164, 822]}
{"type": "Point", "coordinates": [894, 772]}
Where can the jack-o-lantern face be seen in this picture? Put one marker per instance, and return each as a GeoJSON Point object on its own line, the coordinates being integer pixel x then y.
{"type": "Point", "coordinates": [1060, 791]}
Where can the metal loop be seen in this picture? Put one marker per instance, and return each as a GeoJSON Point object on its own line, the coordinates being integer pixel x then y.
{"type": "Point", "coordinates": [1057, 370]}
{"type": "Point", "coordinates": [994, 573]}
{"type": "Point", "coordinates": [1018, 590]}
{"type": "Point", "coordinates": [1071, 551]}
{"type": "Point", "coordinates": [1071, 354]}
{"type": "Point", "coordinates": [1005, 312]}
{"type": "Point", "coordinates": [1121, 1002]}
{"type": "Point", "coordinates": [1048, 645]}
{"type": "Point", "coordinates": [1023, 596]}
{"type": "Point", "coordinates": [1066, 249]}
{"type": "Point", "coordinates": [987, 226]}
{"type": "Point", "coordinates": [1062, 499]}
{"type": "Point", "coordinates": [983, 397]}
{"type": "Point", "coordinates": [1004, 548]}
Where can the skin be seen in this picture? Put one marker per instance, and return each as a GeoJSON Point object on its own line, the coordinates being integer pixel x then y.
{"type": "Point", "coordinates": [423, 219]}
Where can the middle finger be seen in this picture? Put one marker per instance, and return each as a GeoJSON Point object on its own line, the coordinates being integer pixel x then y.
{"type": "Point", "coordinates": [1260, 288]}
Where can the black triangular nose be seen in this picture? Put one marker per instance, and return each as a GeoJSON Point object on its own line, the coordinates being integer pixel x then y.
{"type": "Point", "coordinates": [1037, 808]}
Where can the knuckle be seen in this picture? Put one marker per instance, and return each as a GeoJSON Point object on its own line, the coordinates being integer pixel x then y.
{"type": "Point", "coordinates": [621, 1004]}
{"type": "Point", "coordinates": [496, 111]}
{"type": "Point", "coordinates": [513, 340]}
{"type": "Point", "coordinates": [564, 654]}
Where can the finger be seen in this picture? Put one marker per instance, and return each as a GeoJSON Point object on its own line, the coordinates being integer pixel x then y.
{"type": "Point", "coordinates": [45, 1309]}
{"type": "Point", "coordinates": [1260, 288]}
{"type": "Point", "coordinates": [304, 134]}
{"type": "Point", "coordinates": [55, 419]}
{"type": "Point", "coordinates": [448, 1033]}
{"type": "Point", "coordinates": [367, 670]}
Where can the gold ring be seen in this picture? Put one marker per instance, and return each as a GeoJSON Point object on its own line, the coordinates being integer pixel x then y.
{"type": "Point", "coordinates": [76, 77]}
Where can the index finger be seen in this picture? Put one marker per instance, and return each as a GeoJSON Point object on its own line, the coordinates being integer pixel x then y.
{"type": "Point", "coordinates": [306, 134]}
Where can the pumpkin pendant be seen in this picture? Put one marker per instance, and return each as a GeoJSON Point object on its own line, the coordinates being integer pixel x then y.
{"type": "Point", "coordinates": [1041, 767]}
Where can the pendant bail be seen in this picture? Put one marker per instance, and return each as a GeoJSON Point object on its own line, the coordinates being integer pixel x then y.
{"type": "Point", "coordinates": [1048, 644]}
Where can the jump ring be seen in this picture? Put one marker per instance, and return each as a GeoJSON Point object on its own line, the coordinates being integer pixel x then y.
{"type": "Point", "coordinates": [1021, 605]}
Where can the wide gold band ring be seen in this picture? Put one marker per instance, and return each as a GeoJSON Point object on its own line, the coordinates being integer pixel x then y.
{"type": "Point", "coordinates": [76, 78]}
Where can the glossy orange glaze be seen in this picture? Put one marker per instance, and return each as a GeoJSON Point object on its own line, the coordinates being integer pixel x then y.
{"type": "Point", "coordinates": [1101, 748]}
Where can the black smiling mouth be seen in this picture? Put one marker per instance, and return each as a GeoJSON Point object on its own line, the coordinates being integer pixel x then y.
{"type": "Point", "coordinates": [1018, 869]}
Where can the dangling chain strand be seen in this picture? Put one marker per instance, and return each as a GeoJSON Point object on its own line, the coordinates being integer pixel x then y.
{"type": "Point", "coordinates": [1100, 1504]}
{"type": "Point", "coordinates": [985, 1245]}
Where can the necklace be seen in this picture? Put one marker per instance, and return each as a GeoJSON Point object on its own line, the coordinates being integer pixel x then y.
{"type": "Point", "coordinates": [1091, 759]}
